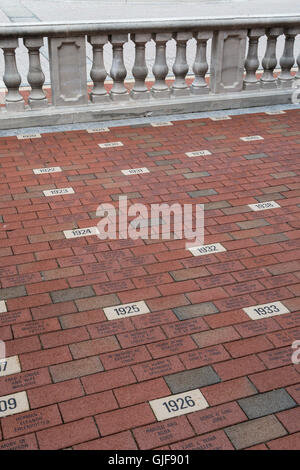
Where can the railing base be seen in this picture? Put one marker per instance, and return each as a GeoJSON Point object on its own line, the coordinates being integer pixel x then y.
{"type": "Point", "coordinates": [134, 108]}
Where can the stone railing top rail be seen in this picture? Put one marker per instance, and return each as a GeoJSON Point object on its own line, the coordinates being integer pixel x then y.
{"type": "Point", "coordinates": [170, 24]}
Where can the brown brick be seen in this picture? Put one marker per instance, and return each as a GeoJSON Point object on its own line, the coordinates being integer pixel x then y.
{"type": "Point", "coordinates": [93, 347]}
{"type": "Point", "coordinates": [79, 368]}
{"type": "Point", "coordinates": [255, 431]}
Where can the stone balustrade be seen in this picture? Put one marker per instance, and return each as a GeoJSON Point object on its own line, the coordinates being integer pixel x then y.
{"type": "Point", "coordinates": [233, 79]}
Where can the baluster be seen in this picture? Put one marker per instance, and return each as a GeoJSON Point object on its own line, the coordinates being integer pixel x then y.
{"type": "Point", "coordinates": [252, 62]}
{"type": "Point", "coordinates": [98, 73]}
{"type": "Point", "coordinates": [140, 70]}
{"type": "Point", "coordinates": [180, 67]}
{"type": "Point", "coordinates": [160, 68]}
{"type": "Point", "coordinates": [200, 67]}
{"type": "Point", "coordinates": [35, 77]}
{"type": "Point", "coordinates": [287, 60]}
{"type": "Point", "coordinates": [118, 71]}
{"type": "Point", "coordinates": [269, 61]}
{"type": "Point", "coordinates": [12, 79]}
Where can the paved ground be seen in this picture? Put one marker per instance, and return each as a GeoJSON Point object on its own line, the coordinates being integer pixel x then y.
{"type": "Point", "coordinates": [89, 380]}
{"type": "Point", "coordinates": [34, 11]}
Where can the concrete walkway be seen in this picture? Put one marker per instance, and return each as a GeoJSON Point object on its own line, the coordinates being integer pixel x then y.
{"type": "Point", "coordinates": [35, 11]}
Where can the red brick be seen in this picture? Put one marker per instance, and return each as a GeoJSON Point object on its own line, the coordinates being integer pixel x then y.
{"type": "Point", "coordinates": [139, 337]}
{"type": "Point", "coordinates": [48, 254]}
{"type": "Point", "coordinates": [24, 381]}
{"type": "Point", "coordinates": [31, 421]}
{"type": "Point", "coordinates": [35, 327]}
{"type": "Point", "coordinates": [152, 280]}
{"type": "Point", "coordinates": [178, 287]}
{"type": "Point", "coordinates": [109, 328]}
{"type": "Point", "coordinates": [285, 337]}
{"type": "Point", "coordinates": [213, 441]}
{"type": "Point", "coordinates": [239, 367]}
{"type": "Point", "coordinates": [233, 303]}
{"type": "Point", "coordinates": [67, 435]}
{"type": "Point", "coordinates": [18, 316]}
{"type": "Point", "coordinates": [22, 345]}
{"type": "Point", "coordinates": [158, 434]}
{"type": "Point", "coordinates": [171, 301]}
{"type": "Point", "coordinates": [259, 261]}
{"type": "Point", "coordinates": [191, 273]}
{"type": "Point", "coordinates": [285, 443]}
{"type": "Point", "coordinates": [108, 380]}
{"type": "Point", "coordinates": [255, 328]}
{"type": "Point", "coordinates": [275, 378]}
{"type": "Point", "coordinates": [154, 319]}
{"type": "Point", "coordinates": [21, 279]}
{"type": "Point", "coordinates": [258, 447]}
{"type": "Point", "coordinates": [138, 294]}
{"type": "Point", "coordinates": [53, 310]}
{"type": "Point", "coordinates": [60, 338]}
{"type": "Point", "coordinates": [217, 417]}
{"type": "Point", "coordinates": [45, 358]}
{"type": "Point", "coordinates": [45, 286]}
{"type": "Point", "coordinates": [171, 346]}
{"type": "Point", "coordinates": [277, 357]}
{"type": "Point", "coordinates": [5, 333]}
{"type": "Point", "coordinates": [223, 319]}
{"type": "Point", "coordinates": [229, 266]}
{"type": "Point", "coordinates": [37, 266]}
{"type": "Point", "coordinates": [27, 442]}
{"type": "Point", "coordinates": [54, 393]}
{"type": "Point", "coordinates": [290, 419]}
{"type": "Point", "coordinates": [294, 391]}
{"type": "Point", "coordinates": [28, 302]}
{"type": "Point", "coordinates": [114, 360]}
{"type": "Point", "coordinates": [206, 295]}
{"type": "Point", "coordinates": [205, 356]}
{"type": "Point", "coordinates": [163, 267]}
{"type": "Point", "coordinates": [86, 406]}
{"type": "Point", "coordinates": [121, 441]}
{"type": "Point", "coordinates": [185, 327]}
{"type": "Point", "coordinates": [271, 295]}
{"type": "Point", "coordinates": [228, 391]}
{"type": "Point", "coordinates": [215, 281]}
{"type": "Point", "coordinates": [248, 346]}
{"type": "Point", "coordinates": [126, 418]}
{"type": "Point", "coordinates": [157, 368]}
{"type": "Point", "coordinates": [138, 393]}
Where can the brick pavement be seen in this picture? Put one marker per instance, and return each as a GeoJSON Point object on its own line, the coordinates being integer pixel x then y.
{"type": "Point", "coordinates": [86, 381]}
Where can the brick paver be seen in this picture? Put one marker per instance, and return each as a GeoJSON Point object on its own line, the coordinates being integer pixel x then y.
{"type": "Point", "coordinates": [89, 380]}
